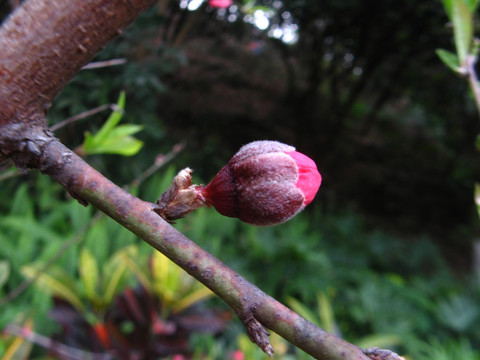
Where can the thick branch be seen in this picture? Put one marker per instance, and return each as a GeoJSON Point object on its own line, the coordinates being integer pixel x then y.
{"type": "Point", "coordinates": [45, 43]}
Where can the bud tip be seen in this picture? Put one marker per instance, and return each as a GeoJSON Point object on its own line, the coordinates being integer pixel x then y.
{"type": "Point", "coordinates": [309, 179]}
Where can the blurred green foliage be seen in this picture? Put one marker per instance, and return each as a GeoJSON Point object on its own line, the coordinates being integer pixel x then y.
{"type": "Point", "coordinates": [112, 138]}
{"type": "Point", "coordinates": [91, 291]}
{"type": "Point", "coordinates": [363, 284]}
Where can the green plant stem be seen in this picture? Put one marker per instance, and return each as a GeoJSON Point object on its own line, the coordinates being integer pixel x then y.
{"type": "Point", "coordinates": [470, 61]}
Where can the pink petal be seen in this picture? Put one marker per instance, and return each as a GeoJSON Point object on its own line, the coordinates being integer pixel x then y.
{"type": "Point", "coordinates": [220, 4]}
{"type": "Point", "coordinates": [309, 179]}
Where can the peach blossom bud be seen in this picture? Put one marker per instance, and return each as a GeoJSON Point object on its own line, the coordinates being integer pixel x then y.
{"type": "Point", "coordinates": [238, 355]}
{"type": "Point", "coordinates": [265, 183]}
{"type": "Point", "coordinates": [220, 4]}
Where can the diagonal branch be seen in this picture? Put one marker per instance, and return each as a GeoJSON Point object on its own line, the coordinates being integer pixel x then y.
{"type": "Point", "coordinates": [255, 308]}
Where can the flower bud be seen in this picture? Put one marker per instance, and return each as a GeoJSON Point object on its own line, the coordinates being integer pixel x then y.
{"type": "Point", "coordinates": [220, 4]}
{"type": "Point", "coordinates": [265, 183]}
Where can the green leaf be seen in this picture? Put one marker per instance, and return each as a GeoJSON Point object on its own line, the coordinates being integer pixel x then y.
{"type": "Point", "coordinates": [113, 283]}
{"type": "Point", "coordinates": [449, 59]}
{"type": "Point", "coordinates": [113, 271]}
{"type": "Point", "coordinates": [167, 278]}
{"type": "Point", "coordinates": [126, 146]}
{"type": "Point", "coordinates": [88, 269]}
{"type": "Point", "coordinates": [4, 272]}
{"type": "Point", "coordinates": [462, 20]}
{"type": "Point", "coordinates": [459, 312]}
{"type": "Point", "coordinates": [31, 228]}
{"type": "Point", "coordinates": [201, 294]}
{"type": "Point", "coordinates": [325, 311]}
{"type": "Point", "coordinates": [22, 202]}
{"type": "Point", "coordinates": [384, 341]}
{"type": "Point", "coordinates": [131, 259]}
{"type": "Point", "coordinates": [248, 5]}
{"type": "Point", "coordinates": [97, 237]}
{"type": "Point", "coordinates": [114, 139]}
{"type": "Point", "coordinates": [125, 130]}
{"type": "Point", "coordinates": [448, 6]}
{"type": "Point", "coordinates": [472, 5]}
{"type": "Point", "coordinates": [112, 120]}
{"type": "Point", "coordinates": [57, 282]}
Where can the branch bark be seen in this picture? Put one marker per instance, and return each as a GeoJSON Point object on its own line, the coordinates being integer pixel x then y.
{"type": "Point", "coordinates": [44, 44]}
{"type": "Point", "coordinates": [255, 308]}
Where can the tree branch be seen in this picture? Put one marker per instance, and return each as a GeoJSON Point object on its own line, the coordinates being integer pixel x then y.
{"type": "Point", "coordinates": [44, 44]}
{"type": "Point", "coordinates": [255, 308]}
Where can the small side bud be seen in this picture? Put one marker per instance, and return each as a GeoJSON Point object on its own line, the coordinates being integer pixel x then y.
{"type": "Point", "coordinates": [180, 198]}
